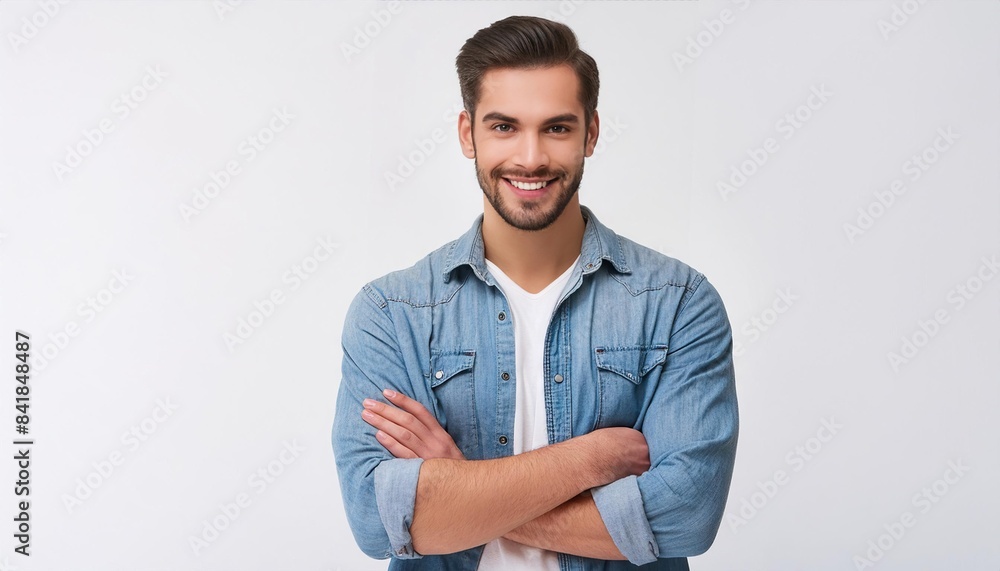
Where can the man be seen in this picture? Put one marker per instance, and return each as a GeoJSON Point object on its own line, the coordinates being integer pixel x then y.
{"type": "Point", "coordinates": [540, 393]}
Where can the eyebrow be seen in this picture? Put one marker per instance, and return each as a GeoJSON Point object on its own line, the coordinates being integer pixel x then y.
{"type": "Point", "coordinates": [564, 118]}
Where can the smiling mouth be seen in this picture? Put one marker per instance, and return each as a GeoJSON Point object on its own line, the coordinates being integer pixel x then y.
{"type": "Point", "coordinates": [529, 185]}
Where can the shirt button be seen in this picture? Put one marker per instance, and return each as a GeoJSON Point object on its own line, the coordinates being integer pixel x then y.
{"type": "Point", "coordinates": [590, 266]}
{"type": "Point", "coordinates": [501, 316]}
{"type": "Point", "coordinates": [505, 375]}
{"type": "Point", "coordinates": [438, 374]}
{"type": "Point", "coordinates": [502, 440]}
{"type": "Point", "coordinates": [558, 378]}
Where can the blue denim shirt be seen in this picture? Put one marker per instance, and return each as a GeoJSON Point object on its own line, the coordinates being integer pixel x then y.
{"type": "Point", "coordinates": [637, 339]}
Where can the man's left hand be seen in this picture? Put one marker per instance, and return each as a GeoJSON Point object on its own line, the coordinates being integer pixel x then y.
{"type": "Point", "coordinates": [409, 431]}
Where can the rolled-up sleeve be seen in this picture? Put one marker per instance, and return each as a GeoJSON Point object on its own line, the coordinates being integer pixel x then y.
{"type": "Point", "coordinates": [621, 508]}
{"type": "Point", "coordinates": [378, 490]}
{"type": "Point", "coordinates": [691, 426]}
{"type": "Point", "coordinates": [395, 493]}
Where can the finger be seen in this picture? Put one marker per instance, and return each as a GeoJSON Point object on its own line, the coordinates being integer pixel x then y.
{"type": "Point", "coordinates": [436, 439]}
{"type": "Point", "coordinates": [399, 417]}
{"type": "Point", "coordinates": [393, 446]}
{"type": "Point", "coordinates": [399, 433]}
{"type": "Point", "coordinates": [413, 407]}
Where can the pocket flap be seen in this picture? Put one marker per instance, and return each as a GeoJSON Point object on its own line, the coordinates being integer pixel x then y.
{"type": "Point", "coordinates": [630, 362]}
{"type": "Point", "coordinates": [447, 364]}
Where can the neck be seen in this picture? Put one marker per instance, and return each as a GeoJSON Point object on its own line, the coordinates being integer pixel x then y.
{"type": "Point", "coordinates": [534, 259]}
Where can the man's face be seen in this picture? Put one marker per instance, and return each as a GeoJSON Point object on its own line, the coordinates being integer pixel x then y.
{"type": "Point", "coordinates": [529, 132]}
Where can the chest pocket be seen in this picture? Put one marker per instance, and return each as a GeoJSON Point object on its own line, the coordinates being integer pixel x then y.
{"type": "Point", "coordinates": [626, 375]}
{"type": "Point", "coordinates": [452, 380]}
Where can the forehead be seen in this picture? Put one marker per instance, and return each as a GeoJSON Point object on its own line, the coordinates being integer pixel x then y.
{"type": "Point", "coordinates": [530, 92]}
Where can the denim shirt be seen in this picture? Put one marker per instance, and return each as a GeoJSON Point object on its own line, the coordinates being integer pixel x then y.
{"type": "Point", "coordinates": [637, 339]}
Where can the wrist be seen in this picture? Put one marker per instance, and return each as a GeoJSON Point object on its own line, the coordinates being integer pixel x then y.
{"type": "Point", "coordinates": [588, 450]}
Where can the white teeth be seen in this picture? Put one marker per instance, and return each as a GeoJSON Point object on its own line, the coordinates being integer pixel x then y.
{"type": "Point", "coordinates": [528, 185]}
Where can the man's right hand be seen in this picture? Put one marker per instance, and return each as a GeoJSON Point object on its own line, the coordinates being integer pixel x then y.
{"type": "Point", "coordinates": [408, 430]}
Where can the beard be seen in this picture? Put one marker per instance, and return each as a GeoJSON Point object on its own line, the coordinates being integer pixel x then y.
{"type": "Point", "coordinates": [529, 215]}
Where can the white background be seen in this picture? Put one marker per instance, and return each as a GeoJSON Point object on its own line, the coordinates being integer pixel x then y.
{"type": "Point", "coordinates": [214, 77]}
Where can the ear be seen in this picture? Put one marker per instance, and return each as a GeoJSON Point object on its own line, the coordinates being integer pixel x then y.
{"type": "Point", "coordinates": [465, 135]}
{"type": "Point", "coordinates": [593, 130]}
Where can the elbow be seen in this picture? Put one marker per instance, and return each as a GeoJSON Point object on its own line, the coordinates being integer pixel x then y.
{"type": "Point", "coordinates": [687, 530]}
{"type": "Point", "coordinates": [370, 535]}
{"type": "Point", "coordinates": [696, 539]}
{"type": "Point", "coordinates": [376, 544]}
{"type": "Point", "coordinates": [691, 544]}
{"type": "Point", "coordinates": [701, 542]}
{"type": "Point", "coordinates": [375, 550]}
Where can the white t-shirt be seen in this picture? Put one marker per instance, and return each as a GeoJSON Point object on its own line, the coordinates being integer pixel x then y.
{"type": "Point", "coordinates": [531, 313]}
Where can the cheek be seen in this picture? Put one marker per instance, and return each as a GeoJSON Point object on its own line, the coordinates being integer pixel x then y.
{"type": "Point", "coordinates": [488, 170]}
{"type": "Point", "coordinates": [567, 154]}
{"type": "Point", "coordinates": [496, 151]}
{"type": "Point", "coordinates": [575, 155]}
{"type": "Point", "coordinates": [489, 163]}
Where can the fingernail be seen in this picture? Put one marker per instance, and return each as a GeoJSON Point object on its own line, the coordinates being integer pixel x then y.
{"type": "Point", "coordinates": [368, 403]}
{"type": "Point", "coordinates": [368, 414]}
{"type": "Point", "coordinates": [389, 393]}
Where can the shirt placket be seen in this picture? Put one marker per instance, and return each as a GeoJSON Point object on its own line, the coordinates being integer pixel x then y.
{"type": "Point", "coordinates": [558, 363]}
{"type": "Point", "coordinates": [557, 369]}
{"type": "Point", "coordinates": [504, 376]}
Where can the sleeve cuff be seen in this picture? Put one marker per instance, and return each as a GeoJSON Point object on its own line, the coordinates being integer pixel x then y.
{"type": "Point", "coordinates": [620, 506]}
{"type": "Point", "coordinates": [395, 493]}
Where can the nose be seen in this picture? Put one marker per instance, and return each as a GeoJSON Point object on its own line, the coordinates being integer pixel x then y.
{"type": "Point", "coordinates": [531, 154]}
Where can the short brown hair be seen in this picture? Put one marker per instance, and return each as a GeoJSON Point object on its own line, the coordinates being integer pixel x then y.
{"type": "Point", "coordinates": [525, 42]}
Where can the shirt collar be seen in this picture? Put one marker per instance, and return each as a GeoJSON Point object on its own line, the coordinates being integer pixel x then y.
{"type": "Point", "coordinates": [599, 243]}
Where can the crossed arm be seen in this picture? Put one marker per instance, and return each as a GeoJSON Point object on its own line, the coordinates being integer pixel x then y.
{"type": "Point", "coordinates": [540, 498]}
{"type": "Point", "coordinates": [660, 501]}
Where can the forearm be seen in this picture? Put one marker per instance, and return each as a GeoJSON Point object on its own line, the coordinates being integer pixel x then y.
{"type": "Point", "coordinates": [462, 504]}
{"type": "Point", "coordinates": [574, 527]}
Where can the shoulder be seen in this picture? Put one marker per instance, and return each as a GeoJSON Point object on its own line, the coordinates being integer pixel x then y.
{"type": "Point", "coordinates": [651, 270]}
{"type": "Point", "coordinates": [692, 298]}
{"type": "Point", "coordinates": [421, 285]}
